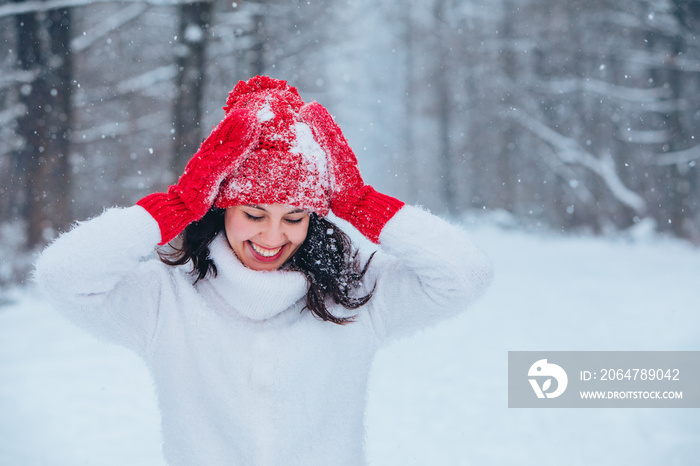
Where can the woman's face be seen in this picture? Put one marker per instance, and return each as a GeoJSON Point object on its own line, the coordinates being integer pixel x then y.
{"type": "Point", "coordinates": [265, 236]}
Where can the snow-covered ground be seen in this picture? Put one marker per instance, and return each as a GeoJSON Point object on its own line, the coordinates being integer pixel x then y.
{"type": "Point", "coordinates": [439, 398]}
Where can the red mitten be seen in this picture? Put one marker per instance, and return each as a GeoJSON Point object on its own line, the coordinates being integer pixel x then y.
{"type": "Point", "coordinates": [351, 199]}
{"type": "Point", "coordinates": [218, 157]}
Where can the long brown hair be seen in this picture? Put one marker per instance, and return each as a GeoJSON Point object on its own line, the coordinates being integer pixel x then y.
{"type": "Point", "coordinates": [327, 259]}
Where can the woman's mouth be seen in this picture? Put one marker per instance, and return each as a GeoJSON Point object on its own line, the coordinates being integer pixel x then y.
{"type": "Point", "coordinates": [265, 254]}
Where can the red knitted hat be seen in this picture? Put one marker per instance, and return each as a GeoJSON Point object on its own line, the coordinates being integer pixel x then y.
{"type": "Point", "coordinates": [288, 166]}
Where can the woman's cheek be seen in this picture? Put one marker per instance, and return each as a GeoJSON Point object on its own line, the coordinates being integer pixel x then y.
{"type": "Point", "coordinates": [301, 232]}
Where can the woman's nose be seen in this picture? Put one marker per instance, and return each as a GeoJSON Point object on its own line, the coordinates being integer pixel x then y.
{"type": "Point", "coordinates": [273, 235]}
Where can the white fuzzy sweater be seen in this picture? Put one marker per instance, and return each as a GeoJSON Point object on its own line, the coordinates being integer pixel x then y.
{"type": "Point", "coordinates": [243, 376]}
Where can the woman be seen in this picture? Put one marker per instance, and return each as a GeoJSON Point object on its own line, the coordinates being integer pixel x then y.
{"type": "Point", "coordinates": [261, 347]}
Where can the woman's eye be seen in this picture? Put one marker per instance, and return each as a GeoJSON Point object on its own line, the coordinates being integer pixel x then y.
{"type": "Point", "coordinates": [293, 220]}
{"type": "Point", "coordinates": [252, 217]}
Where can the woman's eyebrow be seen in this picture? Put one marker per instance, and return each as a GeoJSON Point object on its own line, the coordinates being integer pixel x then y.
{"type": "Point", "coordinates": [295, 211]}
{"type": "Point", "coordinates": [254, 206]}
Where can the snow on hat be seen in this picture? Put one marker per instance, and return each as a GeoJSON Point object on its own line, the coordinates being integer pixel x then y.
{"type": "Point", "coordinates": [288, 166]}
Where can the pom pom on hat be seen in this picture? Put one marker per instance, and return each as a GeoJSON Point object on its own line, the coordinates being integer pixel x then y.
{"type": "Point", "coordinates": [249, 91]}
{"type": "Point", "coordinates": [288, 166]}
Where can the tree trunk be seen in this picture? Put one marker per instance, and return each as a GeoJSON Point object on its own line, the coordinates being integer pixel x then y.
{"type": "Point", "coordinates": [680, 202]}
{"type": "Point", "coordinates": [191, 62]}
{"type": "Point", "coordinates": [45, 125]}
{"type": "Point", "coordinates": [56, 170]}
{"type": "Point", "coordinates": [506, 152]}
{"type": "Point", "coordinates": [442, 91]}
{"type": "Point", "coordinates": [32, 125]}
{"type": "Point", "coordinates": [409, 159]}
{"type": "Point", "coordinates": [258, 46]}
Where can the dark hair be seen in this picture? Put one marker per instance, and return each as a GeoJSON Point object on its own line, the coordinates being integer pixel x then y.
{"type": "Point", "coordinates": [326, 258]}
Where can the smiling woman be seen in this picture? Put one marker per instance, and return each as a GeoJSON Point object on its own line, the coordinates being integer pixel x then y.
{"type": "Point", "coordinates": [260, 327]}
{"type": "Point", "coordinates": [265, 236]}
{"type": "Point", "coordinates": [325, 256]}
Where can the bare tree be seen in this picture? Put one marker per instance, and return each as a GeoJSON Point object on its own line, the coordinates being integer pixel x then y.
{"type": "Point", "coordinates": [44, 126]}
{"type": "Point", "coordinates": [442, 71]}
{"type": "Point", "coordinates": [190, 52]}
{"type": "Point", "coordinates": [57, 171]}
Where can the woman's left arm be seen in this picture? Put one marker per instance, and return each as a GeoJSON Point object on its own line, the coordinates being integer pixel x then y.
{"type": "Point", "coordinates": [426, 270]}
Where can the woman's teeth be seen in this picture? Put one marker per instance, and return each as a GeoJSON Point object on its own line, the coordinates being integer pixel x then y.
{"type": "Point", "coordinates": [264, 251]}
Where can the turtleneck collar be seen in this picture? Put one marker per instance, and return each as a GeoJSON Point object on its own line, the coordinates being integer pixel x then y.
{"type": "Point", "coordinates": [257, 295]}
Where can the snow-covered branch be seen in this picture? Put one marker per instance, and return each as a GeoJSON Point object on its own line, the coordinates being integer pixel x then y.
{"type": "Point", "coordinates": [11, 9]}
{"type": "Point", "coordinates": [570, 152]}
{"type": "Point", "coordinates": [113, 129]}
{"type": "Point", "coordinates": [110, 24]}
{"type": "Point", "coordinates": [663, 60]}
{"type": "Point", "coordinates": [10, 113]}
{"type": "Point", "coordinates": [612, 91]}
{"type": "Point", "coordinates": [10, 78]}
{"type": "Point", "coordinates": [657, 99]}
{"type": "Point", "coordinates": [648, 136]}
{"type": "Point", "coordinates": [661, 21]}
{"type": "Point", "coordinates": [9, 139]}
{"type": "Point", "coordinates": [148, 79]}
{"type": "Point", "coordinates": [677, 157]}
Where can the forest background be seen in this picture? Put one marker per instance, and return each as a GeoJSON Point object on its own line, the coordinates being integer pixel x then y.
{"type": "Point", "coordinates": [579, 116]}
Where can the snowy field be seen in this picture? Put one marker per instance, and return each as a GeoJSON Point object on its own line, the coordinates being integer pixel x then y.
{"type": "Point", "coordinates": [439, 398]}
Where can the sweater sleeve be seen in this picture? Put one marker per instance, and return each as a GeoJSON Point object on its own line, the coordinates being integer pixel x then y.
{"type": "Point", "coordinates": [96, 276]}
{"type": "Point", "coordinates": [427, 270]}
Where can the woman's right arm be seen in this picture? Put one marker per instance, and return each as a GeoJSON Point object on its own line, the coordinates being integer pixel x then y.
{"type": "Point", "coordinates": [96, 275]}
{"type": "Point", "coordinates": [96, 272]}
